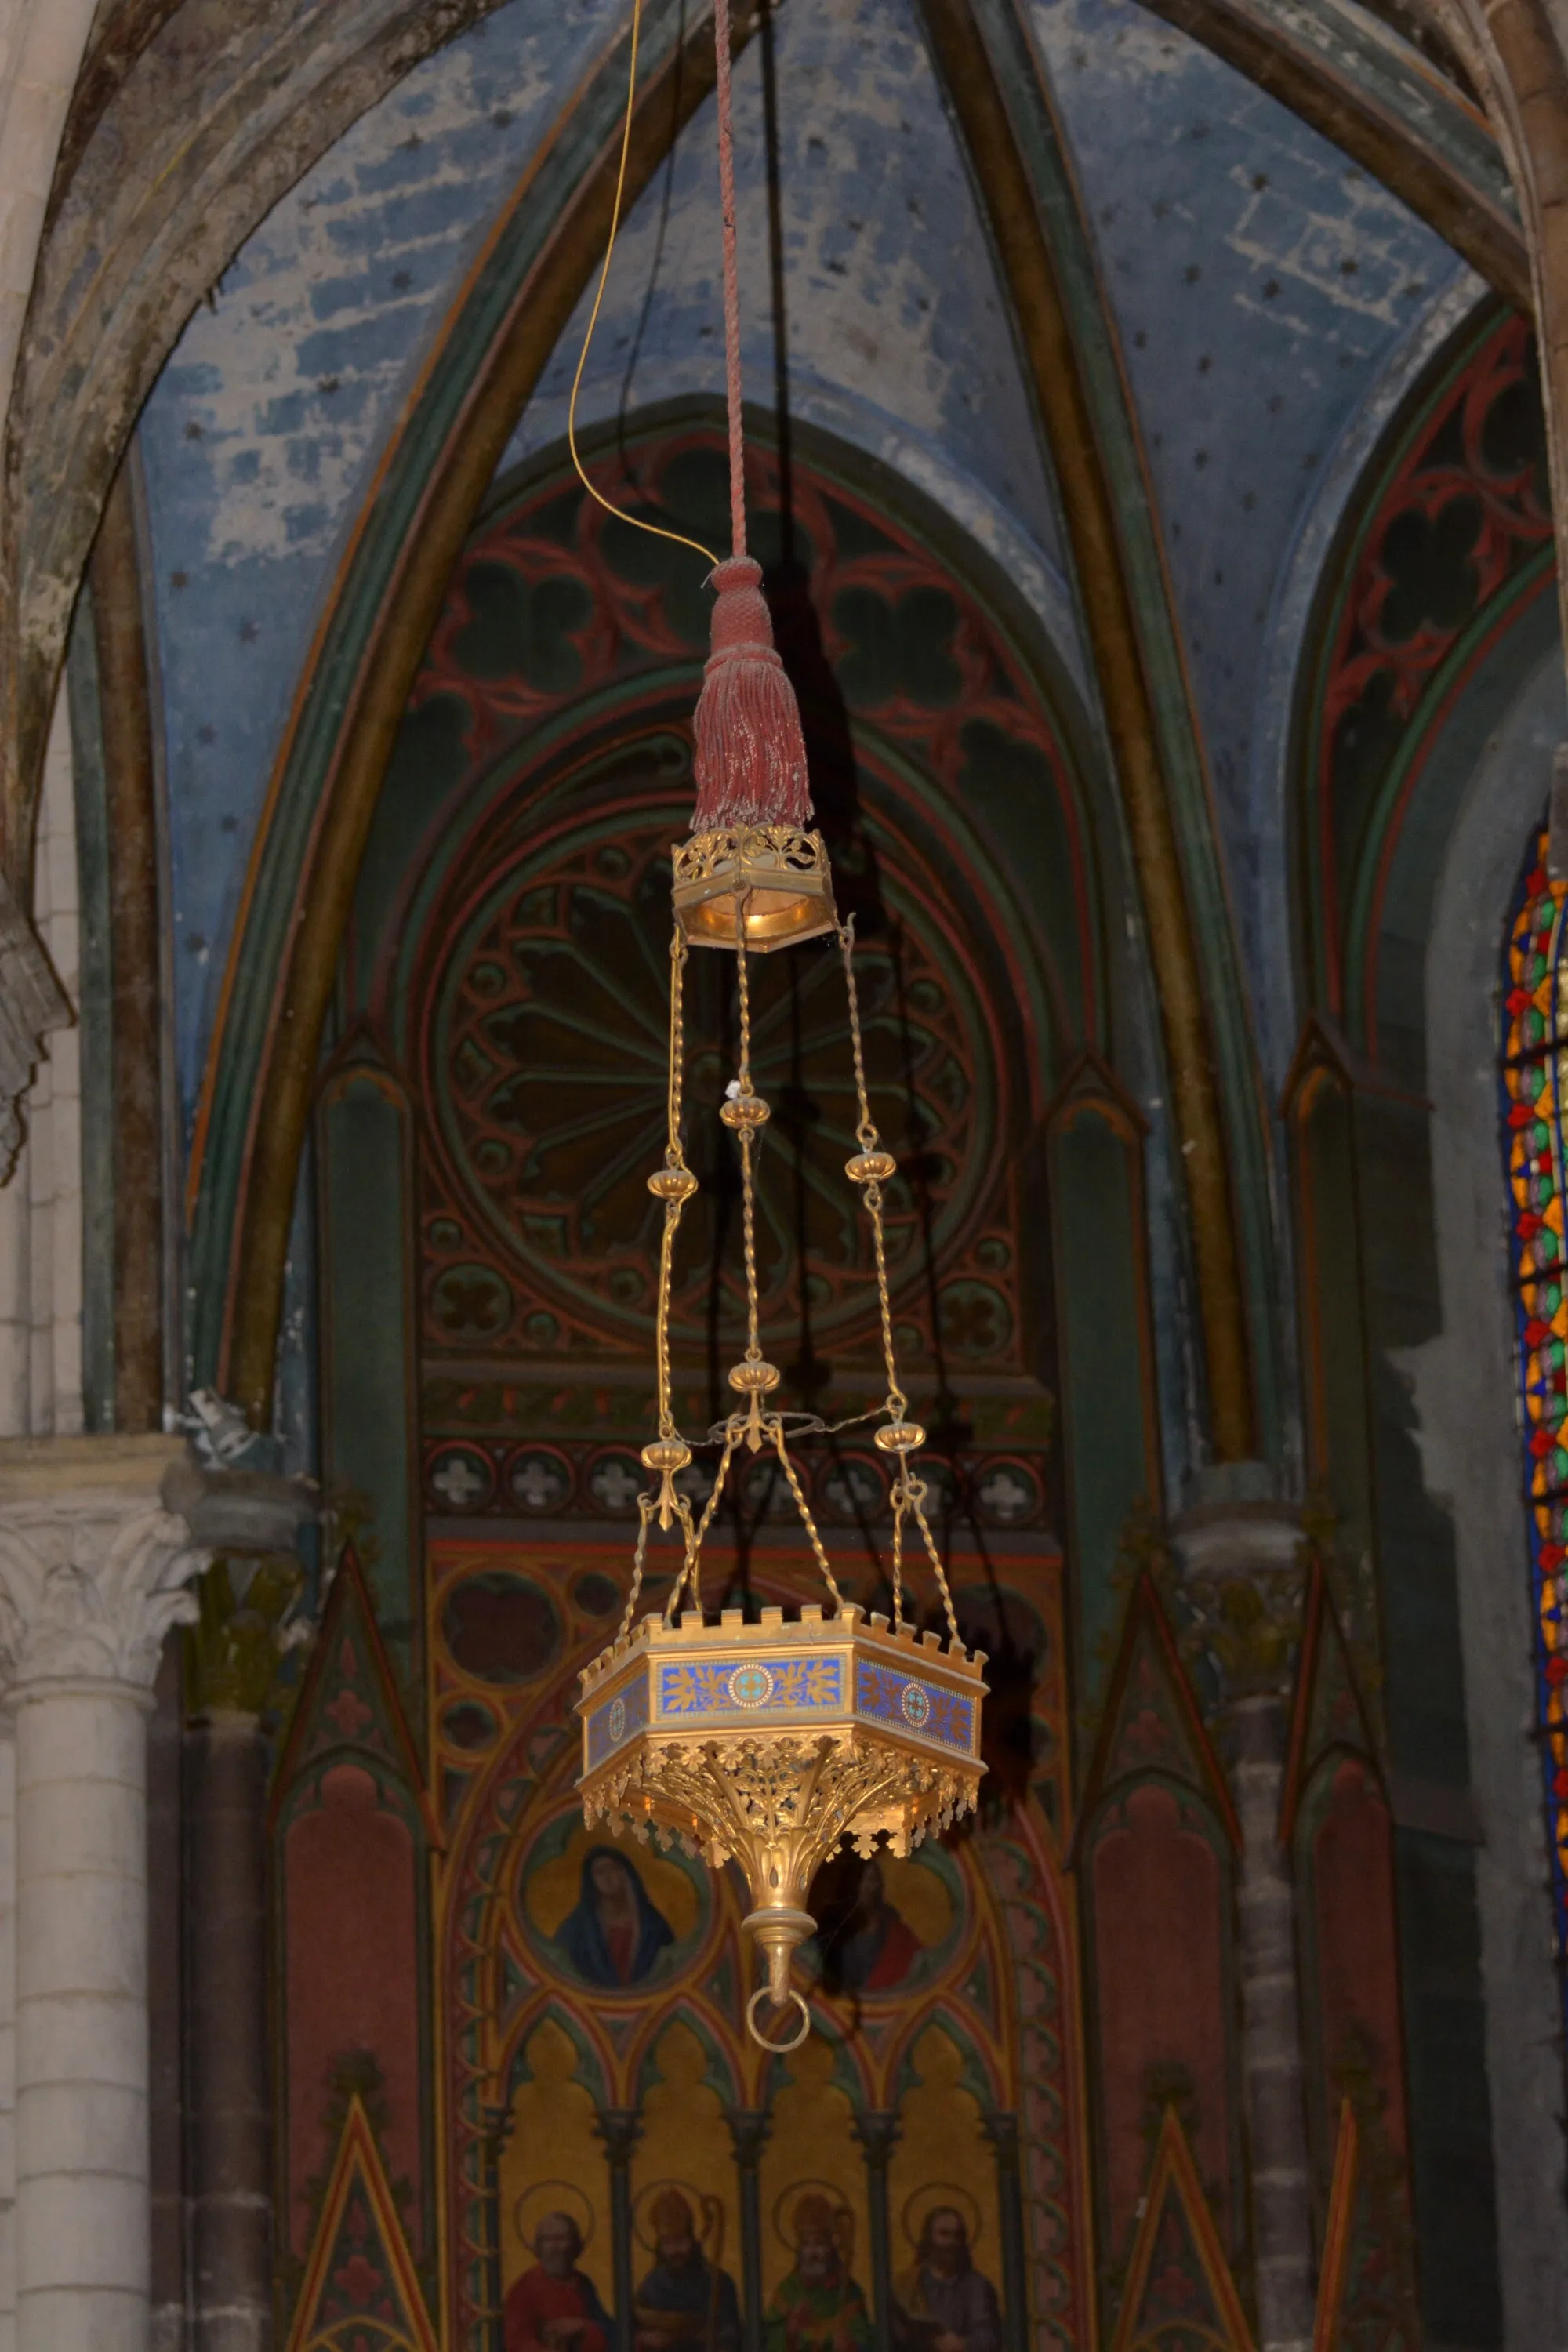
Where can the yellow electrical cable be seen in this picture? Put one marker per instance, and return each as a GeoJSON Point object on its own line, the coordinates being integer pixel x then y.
{"type": "Point", "coordinates": [619, 512]}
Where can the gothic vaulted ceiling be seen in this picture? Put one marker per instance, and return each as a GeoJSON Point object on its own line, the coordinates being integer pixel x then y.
{"type": "Point", "coordinates": [1266, 298]}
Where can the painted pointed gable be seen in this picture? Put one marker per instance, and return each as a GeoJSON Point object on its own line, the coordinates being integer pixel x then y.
{"type": "Point", "coordinates": [1364, 2295]}
{"type": "Point", "coordinates": [349, 1704]}
{"type": "Point", "coordinates": [1151, 1722]}
{"type": "Point", "coordinates": [1329, 1712]}
{"type": "Point", "coordinates": [1180, 2296]}
{"type": "Point", "coordinates": [360, 2282]}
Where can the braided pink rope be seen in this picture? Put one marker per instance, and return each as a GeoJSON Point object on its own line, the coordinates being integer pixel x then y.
{"type": "Point", "coordinates": [732, 281]}
{"type": "Point", "coordinates": [748, 753]}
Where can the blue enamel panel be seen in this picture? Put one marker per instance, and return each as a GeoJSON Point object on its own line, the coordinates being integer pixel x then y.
{"type": "Point", "coordinates": [782, 1685]}
{"type": "Point", "coordinates": [613, 1723]}
{"type": "Point", "coordinates": [924, 1708]}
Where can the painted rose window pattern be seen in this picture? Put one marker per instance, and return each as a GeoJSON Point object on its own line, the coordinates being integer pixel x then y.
{"type": "Point", "coordinates": [1535, 1102]}
{"type": "Point", "coordinates": [546, 1062]}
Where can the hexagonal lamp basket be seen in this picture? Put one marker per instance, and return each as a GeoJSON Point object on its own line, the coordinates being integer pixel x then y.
{"type": "Point", "coordinates": [766, 1744]}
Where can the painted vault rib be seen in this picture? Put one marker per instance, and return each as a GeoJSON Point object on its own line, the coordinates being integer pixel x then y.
{"type": "Point", "coordinates": [1378, 101]}
{"type": "Point", "coordinates": [1228, 1173]}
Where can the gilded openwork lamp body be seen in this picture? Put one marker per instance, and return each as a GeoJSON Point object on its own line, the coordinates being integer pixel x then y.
{"type": "Point", "coordinates": [768, 1744]}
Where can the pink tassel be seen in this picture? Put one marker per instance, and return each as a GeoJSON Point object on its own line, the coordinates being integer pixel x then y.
{"type": "Point", "coordinates": [750, 754]}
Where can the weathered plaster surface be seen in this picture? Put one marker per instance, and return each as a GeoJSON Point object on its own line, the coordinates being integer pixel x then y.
{"type": "Point", "coordinates": [1259, 284]}
{"type": "Point", "coordinates": [260, 440]}
{"type": "Point", "coordinates": [261, 437]}
{"type": "Point", "coordinates": [895, 332]}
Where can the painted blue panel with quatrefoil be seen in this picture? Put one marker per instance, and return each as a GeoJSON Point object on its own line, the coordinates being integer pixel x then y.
{"type": "Point", "coordinates": [924, 1708]}
{"type": "Point", "coordinates": [751, 1688]}
{"type": "Point", "coordinates": [610, 1726]}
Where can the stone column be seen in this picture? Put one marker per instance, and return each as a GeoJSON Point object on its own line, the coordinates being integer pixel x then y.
{"type": "Point", "coordinates": [93, 1572]}
{"type": "Point", "coordinates": [1002, 2131]}
{"type": "Point", "coordinates": [229, 2134]}
{"type": "Point", "coordinates": [1234, 1535]}
{"type": "Point", "coordinates": [7, 2035]}
{"type": "Point", "coordinates": [876, 2128]}
{"type": "Point", "coordinates": [252, 1518]}
{"type": "Point", "coordinates": [748, 2128]}
{"type": "Point", "coordinates": [166, 2004]}
{"type": "Point", "coordinates": [620, 2128]}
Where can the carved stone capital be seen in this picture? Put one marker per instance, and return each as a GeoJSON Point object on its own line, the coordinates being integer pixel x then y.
{"type": "Point", "coordinates": [620, 2128]}
{"type": "Point", "coordinates": [94, 1569]}
{"type": "Point", "coordinates": [1235, 1525]}
{"type": "Point", "coordinates": [748, 2128]}
{"type": "Point", "coordinates": [877, 2130]}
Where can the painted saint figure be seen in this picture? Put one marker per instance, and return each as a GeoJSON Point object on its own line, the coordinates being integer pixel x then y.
{"type": "Point", "coordinates": [943, 2304]}
{"type": "Point", "coordinates": [876, 1947]}
{"type": "Point", "coordinates": [615, 1935]}
{"type": "Point", "coordinates": [818, 2307]}
{"type": "Point", "coordinates": [685, 2304]}
{"type": "Point", "coordinates": [555, 2307]}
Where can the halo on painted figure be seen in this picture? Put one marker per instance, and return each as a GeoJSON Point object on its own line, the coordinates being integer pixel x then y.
{"type": "Point", "coordinates": [553, 2197]}
{"type": "Point", "coordinates": [788, 2199]}
{"type": "Point", "coordinates": [706, 2213]}
{"type": "Point", "coordinates": [922, 2203]}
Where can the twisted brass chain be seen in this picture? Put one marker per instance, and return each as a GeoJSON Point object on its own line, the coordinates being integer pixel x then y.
{"type": "Point", "coordinates": [917, 1495]}
{"type": "Point", "coordinates": [747, 1184]}
{"type": "Point", "coordinates": [909, 1493]}
{"type": "Point", "coordinates": [675, 1162]}
{"type": "Point", "coordinates": [775, 1431]}
{"type": "Point", "coordinates": [900, 1505]}
{"type": "Point", "coordinates": [869, 1140]}
{"type": "Point", "coordinates": [647, 1505]}
{"type": "Point", "coordinates": [691, 1576]}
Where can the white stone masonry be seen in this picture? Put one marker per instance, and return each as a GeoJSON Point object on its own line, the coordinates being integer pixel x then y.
{"type": "Point", "coordinates": [93, 1572]}
{"type": "Point", "coordinates": [40, 1207]}
{"type": "Point", "coordinates": [41, 45]}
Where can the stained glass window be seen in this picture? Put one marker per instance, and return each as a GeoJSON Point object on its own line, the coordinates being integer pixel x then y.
{"type": "Point", "coordinates": [1535, 1145]}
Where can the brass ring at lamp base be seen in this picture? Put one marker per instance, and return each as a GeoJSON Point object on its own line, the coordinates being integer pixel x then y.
{"type": "Point", "coordinates": [761, 2039]}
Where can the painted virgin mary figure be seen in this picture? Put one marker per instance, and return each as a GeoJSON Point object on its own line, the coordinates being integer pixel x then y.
{"type": "Point", "coordinates": [616, 1933]}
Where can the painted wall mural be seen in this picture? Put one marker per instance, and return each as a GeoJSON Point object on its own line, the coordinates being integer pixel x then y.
{"type": "Point", "coordinates": [506, 977]}
{"type": "Point", "coordinates": [615, 2142]}
{"type": "Point", "coordinates": [1451, 542]}
{"type": "Point", "coordinates": [1006, 2132]}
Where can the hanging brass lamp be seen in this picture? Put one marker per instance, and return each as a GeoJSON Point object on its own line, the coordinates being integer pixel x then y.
{"type": "Point", "coordinates": [768, 1744]}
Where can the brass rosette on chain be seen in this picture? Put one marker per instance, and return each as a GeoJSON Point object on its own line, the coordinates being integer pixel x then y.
{"type": "Point", "coordinates": [770, 1744]}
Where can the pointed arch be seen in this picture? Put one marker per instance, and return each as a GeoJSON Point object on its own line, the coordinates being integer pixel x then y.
{"type": "Point", "coordinates": [981, 2075]}
{"type": "Point", "coordinates": [595, 2069]}
{"type": "Point", "coordinates": [718, 2072]}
